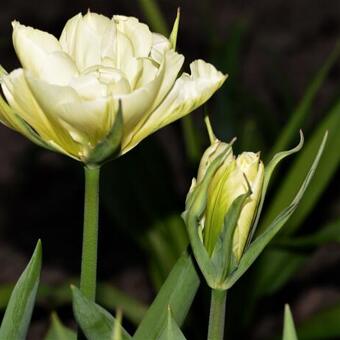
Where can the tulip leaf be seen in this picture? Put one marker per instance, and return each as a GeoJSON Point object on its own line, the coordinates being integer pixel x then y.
{"type": "Point", "coordinates": [269, 169]}
{"type": "Point", "coordinates": [195, 205]}
{"type": "Point", "coordinates": [109, 147]}
{"type": "Point", "coordinates": [328, 166]}
{"type": "Point", "coordinates": [178, 292]}
{"type": "Point", "coordinates": [172, 331]}
{"type": "Point", "coordinates": [223, 251]}
{"type": "Point", "coordinates": [289, 332]}
{"type": "Point", "coordinates": [58, 331]}
{"type": "Point", "coordinates": [257, 246]}
{"type": "Point", "coordinates": [19, 309]}
{"type": "Point", "coordinates": [174, 32]}
{"type": "Point", "coordinates": [304, 107]}
{"type": "Point", "coordinates": [95, 321]}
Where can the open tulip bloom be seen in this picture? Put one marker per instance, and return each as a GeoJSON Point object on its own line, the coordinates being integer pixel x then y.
{"type": "Point", "coordinates": [68, 92]}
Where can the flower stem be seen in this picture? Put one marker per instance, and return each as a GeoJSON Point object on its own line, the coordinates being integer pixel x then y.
{"type": "Point", "coordinates": [217, 314]}
{"type": "Point", "coordinates": [88, 274]}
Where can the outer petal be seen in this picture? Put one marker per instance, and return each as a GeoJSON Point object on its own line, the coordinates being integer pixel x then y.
{"type": "Point", "coordinates": [188, 93]}
{"type": "Point", "coordinates": [86, 120]}
{"type": "Point", "coordinates": [22, 101]}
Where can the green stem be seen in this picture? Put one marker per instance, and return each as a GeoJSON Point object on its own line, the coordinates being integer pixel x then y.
{"type": "Point", "coordinates": [217, 314]}
{"type": "Point", "coordinates": [88, 274]}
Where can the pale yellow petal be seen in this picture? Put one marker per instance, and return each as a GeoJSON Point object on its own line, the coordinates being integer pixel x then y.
{"type": "Point", "coordinates": [136, 105]}
{"type": "Point", "coordinates": [82, 38]}
{"type": "Point", "coordinates": [160, 45]}
{"type": "Point", "coordinates": [138, 33]}
{"type": "Point", "coordinates": [188, 93]}
{"type": "Point", "coordinates": [87, 120]}
{"type": "Point", "coordinates": [58, 68]}
{"type": "Point", "coordinates": [23, 102]}
{"type": "Point", "coordinates": [32, 46]}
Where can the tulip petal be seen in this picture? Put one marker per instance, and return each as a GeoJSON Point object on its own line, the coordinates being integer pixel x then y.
{"type": "Point", "coordinates": [82, 38]}
{"type": "Point", "coordinates": [160, 45]}
{"type": "Point", "coordinates": [189, 92]}
{"type": "Point", "coordinates": [138, 33]}
{"type": "Point", "coordinates": [22, 101]}
{"type": "Point", "coordinates": [58, 68]}
{"type": "Point", "coordinates": [32, 46]}
{"type": "Point", "coordinates": [87, 120]}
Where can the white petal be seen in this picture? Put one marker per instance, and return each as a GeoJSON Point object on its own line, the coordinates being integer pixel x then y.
{"type": "Point", "coordinates": [21, 99]}
{"type": "Point", "coordinates": [160, 45]}
{"type": "Point", "coordinates": [173, 63]}
{"type": "Point", "coordinates": [189, 92]}
{"type": "Point", "coordinates": [138, 103]}
{"type": "Point", "coordinates": [32, 46]}
{"type": "Point", "coordinates": [88, 87]}
{"type": "Point", "coordinates": [58, 68]}
{"type": "Point", "coordinates": [87, 120]}
{"type": "Point", "coordinates": [138, 33]}
{"type": "Point", "coordinates": [82, 38]}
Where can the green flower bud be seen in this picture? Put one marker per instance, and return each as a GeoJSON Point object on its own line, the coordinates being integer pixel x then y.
{"type": "Point", "coordinates": [234, 177]}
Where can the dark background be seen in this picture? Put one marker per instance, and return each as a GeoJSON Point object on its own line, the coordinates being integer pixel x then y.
{"type": "Point", "coordinates": [281, 44]}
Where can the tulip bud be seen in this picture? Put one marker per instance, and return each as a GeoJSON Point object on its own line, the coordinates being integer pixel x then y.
{"type": "Point", "coordinates": [234, 177]}
{"type": "Point", "coordinates": [223, 208]}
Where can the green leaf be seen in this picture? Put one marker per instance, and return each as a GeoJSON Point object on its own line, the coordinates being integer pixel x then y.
{"type": "Point", "coordinates": [328, 165]}
{"type": "Point", "coordinates": [174, 32]}
{"type": "Point", "coordinates": [223, 250]}
{"type": "Point", "coordinates": [269, 169]}
{"type": "Point", "coordinates": [178, 292]}
{"type": "Point", "coordinates": [323, 325]}
{"type": "Point", "coordinates": [109, 147]}
{"type": "Point", "coordinates": [172, 331]}
{"type": "Point", "coordinates": [58, 331]}
{"type": "Point", "coordinates": [257, 246]}
{"type": "Point", "coordinates": [19, 310]}
{"type": "Point", "coordinates": [95, 321]}
{"type": "Point", "coordinates": [304, 107]}
{"type": "Point", "coordinates": [289, 332]}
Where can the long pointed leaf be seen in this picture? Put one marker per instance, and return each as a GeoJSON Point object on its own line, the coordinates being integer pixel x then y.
{"type": "Point", "coordinates": [19, 310]}
{"type": "Point", "coordinates": [329, 164]}
{"type": "Point", "coordinates": [172, 331]}
{"type": "Point", "coordinates": [58, 331]}
{"type": "Point", "coordinates": [178, 292]}
{"type": "Point", "coordinates": [289, 332]}
{"type": "Point", "coordinates": [95, 321]}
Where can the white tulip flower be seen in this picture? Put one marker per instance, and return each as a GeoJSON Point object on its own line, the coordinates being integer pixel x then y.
{"type": "Point", "coordinates": [66, 95]}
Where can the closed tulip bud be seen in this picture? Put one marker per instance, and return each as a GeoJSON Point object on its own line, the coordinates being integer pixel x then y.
{"type": "Point", "coordinates": [233, 178]}
{"type": "Point", "coordinates": [68, 94]}
{"type": "Point", "coordinates": [223, 209]}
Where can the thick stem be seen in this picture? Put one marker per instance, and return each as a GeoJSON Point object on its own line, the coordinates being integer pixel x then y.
{"type": "Point", "coordinates": [217, 314]}
{"type": "Point", "coordinates": [88, 275]}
